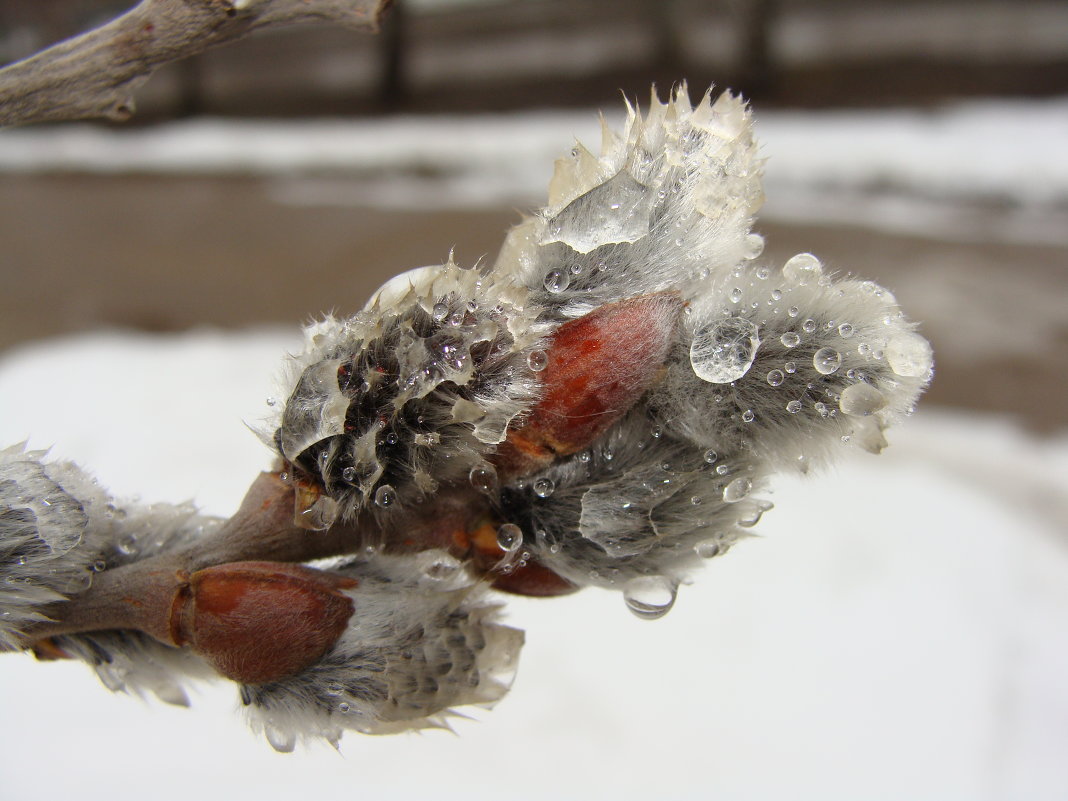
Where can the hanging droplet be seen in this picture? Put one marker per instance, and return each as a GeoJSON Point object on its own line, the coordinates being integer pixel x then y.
{"type": "Point", "coordinates": [803, 269]}
{"type": "Point", "coordinates": [483, 477]}
{"type": "Point", "coordinates": [544, 487]}
{"type": "Point", "coordinates": [724, 351]}
{"type": "Point", "coordinates": [775, 377]}
{"type": "Point", "coordinates": [826, 361]}
{"type": "Point", "coordinates": [793, 407]}
{"type": "Point", "coordinates": [736, 295]}
{"type": "Point", "coordinates": [790, 339]}
{"type": "Point", "coordinates": [537, 360]}
{"type": "Point", "coordinates": [861, 400]}
{"type": "Point", "coordinates": [281, 741]}
{"type": "Point", "coordinates": [439, 312]}
{"type": "Point", "coordinates": [737, 489]}
{"type": "Point", "coordinates": [385, 496]}
{"type": "Point", "coordinates": [649, 597]}
{"type": "Point", "coordinates": [509, 537]}
{"type": "Point", "coordinates": [556, 281]}
{"type": "Point", "coordinates": [711, 456]}
{"type": "Point", "coordinates": [910, 355]}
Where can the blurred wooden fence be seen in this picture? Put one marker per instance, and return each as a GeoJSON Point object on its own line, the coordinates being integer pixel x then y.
{"type": "Point", "coordinates": [468, 55]}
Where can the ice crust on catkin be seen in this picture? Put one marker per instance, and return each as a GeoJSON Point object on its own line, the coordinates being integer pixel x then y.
{"type": "Point", "coordinates": [422, 641]}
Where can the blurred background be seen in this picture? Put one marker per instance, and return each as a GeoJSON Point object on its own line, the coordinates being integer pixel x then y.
{"type": "Point", "coordinates": [912, 645]}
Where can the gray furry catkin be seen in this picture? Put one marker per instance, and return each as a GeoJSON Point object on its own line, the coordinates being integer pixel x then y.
{"type": "Point", "coordinates": [612, 393]}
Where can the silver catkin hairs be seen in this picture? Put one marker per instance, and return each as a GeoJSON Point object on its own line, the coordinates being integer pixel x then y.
{"type": "Point", "coordinates": [59, 529]}
{"type": "Point", "coordinates": [772, 367]}
{"type": "Point", "coordinates": [423, 641]}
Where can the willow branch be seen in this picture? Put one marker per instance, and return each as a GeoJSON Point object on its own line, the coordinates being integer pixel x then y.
{"type": "Point", "coordinates": [94, 75]}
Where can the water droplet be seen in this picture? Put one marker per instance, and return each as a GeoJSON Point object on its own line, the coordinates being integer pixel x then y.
{"type": "Point", "coordinates": [707, 549]}
{"type": "Point", "coordinates": [711, 456]}
{"type": "Point", "coordinates": [861, 400]}
{"type": "Point", "coordinates": [537, 360]}
{"type": "Point", "coordinates": [722, 469]}
{"type": "Point", "coordinates": [556, 281]}
{"type": "Point", "coordinates": [584, 457]}
{"type": "Point", "coordinates": [737, 489]}
{"type": "Point", "coordinates": [385, 496]}
{"type": "Point", "coordinates": [736, 295]}
{"type": "Point", "coordinates": [803, 269]}
{"type": "Point", "coordinates": [99, 566]}
{"type": "Point", "coordinates": [544, 487]}
{"type": "Point", "coordinates": [391, 438]}
{"type": "Point", "coordinates": [649, 597]}
{"type": "Point", "coordinates": [319, 516]}
{"type": "Point", "coordinates": [793, 311]}
{"type": "Point", "coordinates": [344, 707]}
{"type": "Point", "coordinates": [776, 294]}
{"type": "Point", "coordinates": [910, 355]}
{"type": "Point", "coordinates": [509, 537]}
{"type": "Point", "coordinates": [483, 477]}
{"type": "Point", "coordinates": [576, 269]}
{"type": "Point", "coordinates": [790, 367]}
{"type": "Point", "coordinates": [793, 407]}
{"type": "Point", "coordinates": [808, 326]}
{"type": "Point", "coordinates": [349, 474]}
{"type": "Point", "coordinates": [775, 377]}
{"type": "Point", "coordinates": [439, 312]}
{"type": "Point", "coordinates": [127, 544]}
{"type": "Point", "coordinates": [753, 247]}
{"type": "Point", "coordinates": [747, 416]}
{"type": "Point", "coordinates": [282, 742]}
{"type": "Point", "coordinates": [864, 349]}
{"type": "Point", "coordinates": [826, 361]}
{"type": "Point", "coordinates": [821, 408]}
{"type": "Point", "coordinates": [724, 351]}
{"type": "Point", "coordinates": [334, 689]}
{"type": "Point", "coordinates": [607, 454]}
{"type": "Point", "coordinates": [790, 339]}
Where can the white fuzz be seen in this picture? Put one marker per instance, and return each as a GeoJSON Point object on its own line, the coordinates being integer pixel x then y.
{"type": "Point", "coordinates": [422, 640]}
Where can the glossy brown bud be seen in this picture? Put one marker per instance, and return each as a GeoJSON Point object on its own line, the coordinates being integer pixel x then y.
{"type": "Point", "coordinates": [258, 622]}
{"type": "Point", "coordinates": [597, 368]}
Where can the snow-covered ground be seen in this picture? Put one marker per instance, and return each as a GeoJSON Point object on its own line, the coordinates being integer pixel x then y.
{"type": "Point", "coordinates": [900, 631]}
{"type": "Point", "coordinates": [938, 172]}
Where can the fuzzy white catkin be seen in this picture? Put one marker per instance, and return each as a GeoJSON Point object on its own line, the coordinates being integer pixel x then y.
{"type": "Point", "coordinates": [772, 367]}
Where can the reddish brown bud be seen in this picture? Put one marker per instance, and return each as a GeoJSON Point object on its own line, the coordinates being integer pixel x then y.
{"type": "Point", "coordinates": [598, 367]}
{"type": "Point", "coordinates": [257, 622]}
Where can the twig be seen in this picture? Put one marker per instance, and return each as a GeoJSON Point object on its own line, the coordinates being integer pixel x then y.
{"type": "Point", "coordinates": [94, 75]}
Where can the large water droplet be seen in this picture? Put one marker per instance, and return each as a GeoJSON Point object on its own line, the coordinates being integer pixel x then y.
{"type": "Point", "coordinates": [861, 400]}
{"type": "Point", "coordinates": [753, 246]}
{"type": "Point", "coordinates": [724, 351]}
{"type": "Point", "coordinates": [509, 537]}
{"type": "Point", "coordinates": [803, 269]}
{"type": "Point", "coordinates": [439, 312]}
{"type": "Point", "coordinates": [544, 487]}
{"type": "Point", "coordinates": [775, 377]}
{"type": "Point", "coordinates": [910, 355]}
{"type": "Point", "coordinates": [556, 281]}
{"type": "Point", "coordinates": [385, 496]}
{"type": "Point", "coordinates": [483, 477]}
{"type": "Point", "coordinates": [826, 361]}
{"type": "Point", "coordinates": [793, 407]}
{"type": "Point", "coordinates": [790, 339]}
{"type": "Point", "coordinates": [737, 489]}
{"type": "Point", "coordinates": [281, 741]}
{"type": "Point", "coordinates": [711, 456]}
{"type": "Point", "coordinates": [649, 597]}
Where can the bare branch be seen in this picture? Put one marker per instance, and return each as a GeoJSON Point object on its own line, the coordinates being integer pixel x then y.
{"type": "Point", "coordinates": [94, 75]}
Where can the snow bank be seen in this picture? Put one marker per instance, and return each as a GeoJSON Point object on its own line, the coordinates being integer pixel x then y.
{"type": "Point", "coordinates": [897, 632]}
